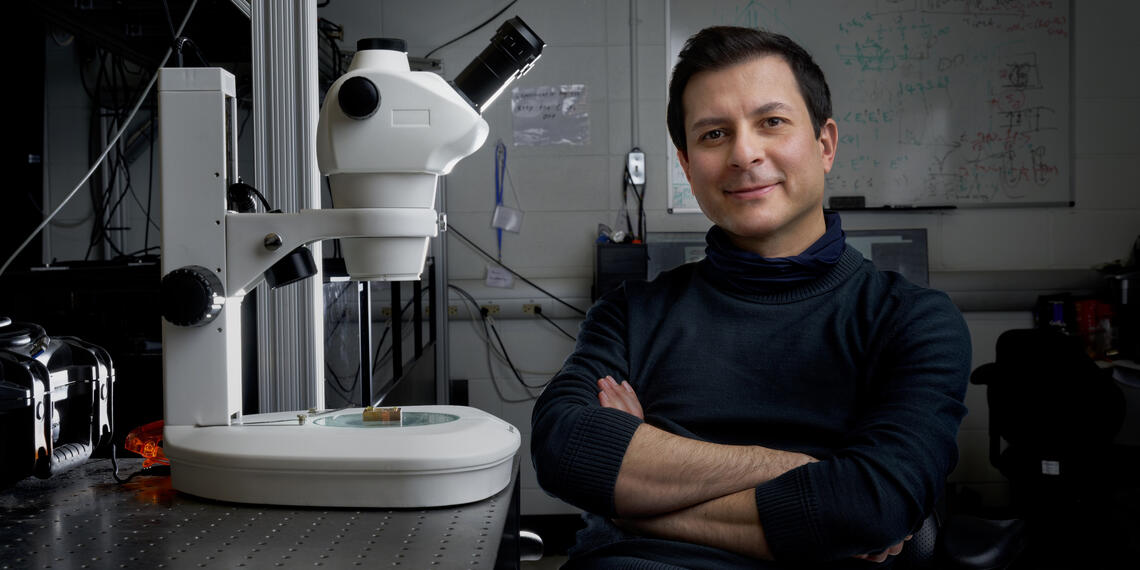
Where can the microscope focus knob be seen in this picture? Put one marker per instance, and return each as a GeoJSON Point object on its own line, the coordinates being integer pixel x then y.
{"type": "Point", "coordinates": [192, 296]}
{"type": "Point", "coordinates": [358, 97]}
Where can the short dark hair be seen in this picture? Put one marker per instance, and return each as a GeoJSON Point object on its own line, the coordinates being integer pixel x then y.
{"type": "Point", "coordinates": [719, 47]}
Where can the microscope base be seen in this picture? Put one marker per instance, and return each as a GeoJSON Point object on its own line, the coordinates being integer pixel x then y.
{"type": "Point", "coordinates": [435, 456]}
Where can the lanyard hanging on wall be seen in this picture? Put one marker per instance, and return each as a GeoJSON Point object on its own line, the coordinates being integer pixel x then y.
{"type": "Point", "coordinates": [504, 217]}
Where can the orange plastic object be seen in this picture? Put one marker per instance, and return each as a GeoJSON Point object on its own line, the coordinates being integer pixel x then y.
{"type": "Point", "coordinates": [147, 441]}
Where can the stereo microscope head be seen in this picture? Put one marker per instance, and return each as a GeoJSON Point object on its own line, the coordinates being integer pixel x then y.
{"type": "Point", "coordinates": [386, 133]}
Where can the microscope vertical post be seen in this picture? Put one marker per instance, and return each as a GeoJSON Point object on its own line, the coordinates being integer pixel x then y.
{"type": "Point", "coordinates": [198, 143]}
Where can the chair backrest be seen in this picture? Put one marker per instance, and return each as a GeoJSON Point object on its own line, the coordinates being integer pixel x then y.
{"type": "Point", "coordinates": [963, 543]}
{"type": "Point", "coordinates": [1044, 392]}
{"type": "Point", "coordinates": [919, 552]}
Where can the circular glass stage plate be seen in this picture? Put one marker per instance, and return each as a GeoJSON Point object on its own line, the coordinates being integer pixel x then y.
{"type": "Point", "coordinates": [407, 419]}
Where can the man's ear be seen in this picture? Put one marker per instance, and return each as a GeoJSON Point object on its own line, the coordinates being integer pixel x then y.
{"type": "Point", "coordinates": [683, 158]}
{"type": "Point", "coordinates": [828, 143]}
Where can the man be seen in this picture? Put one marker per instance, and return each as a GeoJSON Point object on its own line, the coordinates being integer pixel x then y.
{"type": "Point", "coordinates": [780, 402]}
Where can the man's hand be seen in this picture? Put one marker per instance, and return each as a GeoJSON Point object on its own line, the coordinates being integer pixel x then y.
{"type": "Point", "coordinates": [619, 397]}
{"type": "Point", "coordinates": [881, 556]}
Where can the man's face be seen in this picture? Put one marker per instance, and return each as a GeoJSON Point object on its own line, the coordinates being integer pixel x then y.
{"type": "Point", "coordinates": [753, 161]}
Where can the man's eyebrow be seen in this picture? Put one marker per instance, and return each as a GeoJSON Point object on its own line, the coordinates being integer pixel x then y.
{"type": "Point", "coordinates": [764, 109]}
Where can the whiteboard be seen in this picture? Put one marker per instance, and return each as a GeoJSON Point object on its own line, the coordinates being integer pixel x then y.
{"type": "Point", "coordinates": [939, 102]}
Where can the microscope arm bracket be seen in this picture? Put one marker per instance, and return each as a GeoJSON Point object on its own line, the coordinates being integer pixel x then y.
{"type": "Point", "coordinates": [248, 256]}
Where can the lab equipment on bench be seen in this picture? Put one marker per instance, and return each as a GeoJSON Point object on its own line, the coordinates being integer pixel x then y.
{"type": "Point", "coordinates": [384, 136]}
{"type": "Point", "coordinates": [55, 401]}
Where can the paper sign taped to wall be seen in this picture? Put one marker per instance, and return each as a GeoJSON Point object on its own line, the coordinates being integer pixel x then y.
{"type": "Point", "coordinates": [550, 115]}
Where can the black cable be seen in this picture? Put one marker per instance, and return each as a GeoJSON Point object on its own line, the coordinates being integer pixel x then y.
{"type": "Point", "coordinates": [329, 31]}
{"type": "Point", "coordinates": [118, 166]}
{"type": "Point", "coordinates": [93, 127]}
{"type": "Point", "coordinates": [141, 252]}
{"type": "Point", "coordinates": [486, 337]}
{"type": "Point", "coordinates": [451, 229]}
{"type": "Point", "coordinates": [463, 292]}
{"type": "Point", "coordinates": [185, 41]}
{"type": "Point", "coordinates": [627, 186]}
{"type": "Point", "coordinates": [327, 186]}
{"type": "Point", "coordinates": [170, 22]}
{"type": "Point", "coordinates": [173, 33]}
{"type": "Point", "coordinates": [261, 197]}
{"type": "Point", "coordinates": [377, 358]}
{"type": "Point", "coordinates": [495, 331]}
{"type": "Point", "coordinates": [112, 75]}
{"type": "Point", "coordinates": [515, 370]}
{"type": "Point", "coordinates": [348, 285]}
{"type": "Point", "coordinates": [32, 202]}
{"type": "Point", "coordinates": [345, 393]}
{"type": "Point", "coordinates": [99, 228]}
{"type": "Point", "coordinates": [376, 355]}
{"type": "Point", "coordinates": [473, 30]}
{"type": "Point", "coordinates": [538, 313]}
{"type": "Point", "coordinates": [639, 232]}
{"type": "Point", "coordinates": [126, 171]}
{"type": "Point", "coordinates": [152, 470]}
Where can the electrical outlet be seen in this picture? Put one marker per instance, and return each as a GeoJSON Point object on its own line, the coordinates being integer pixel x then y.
{"type": "Point", "coordinates": [491, 309]}
{"type": "Point", "coordinates": [529, 308]}
{"type": "Point", "coordinates": [635, 164]}
{"type": "Point", "coordinates": [452, 310]}
{"type": "Point", "coordinates": [386, 311]}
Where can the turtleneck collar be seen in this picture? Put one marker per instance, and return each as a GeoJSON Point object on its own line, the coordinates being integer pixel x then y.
{"type": "Point", "coordinates": [751, 273]}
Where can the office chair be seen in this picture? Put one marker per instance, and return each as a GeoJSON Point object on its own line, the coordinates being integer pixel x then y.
{"type": "Point", "coordinates": [963, 542]}
{"type": "Point", "coordinates": [1057, 413]}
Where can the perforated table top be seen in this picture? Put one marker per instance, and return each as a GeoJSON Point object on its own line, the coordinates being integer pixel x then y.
{"type": "Point", "coordinates": [84, 519]}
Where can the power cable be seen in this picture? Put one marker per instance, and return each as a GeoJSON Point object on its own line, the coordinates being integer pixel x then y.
{"type": "Point", "coordinates": [518, 376]}
{"type": "Point", "coordinates": [452, 230]}
{"type": "Point", "coordinates": [486, 337]}
{"type": "Point", "coordinates": [538, 313]}
{"type": "Point", "coordinates": [473, 30]}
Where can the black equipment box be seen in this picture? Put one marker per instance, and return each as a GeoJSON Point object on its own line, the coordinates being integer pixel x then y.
{"type": "Point", "coordinates": [55, 401]}
{"type": "Point", "coordinates": [615, 263]}
{"type": "Point", "coordinates": [112, 304]}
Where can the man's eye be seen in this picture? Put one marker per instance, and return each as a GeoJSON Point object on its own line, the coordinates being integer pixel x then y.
{"type": "Point", "coordinates": [713, 134]}
{"type": "Point", "coordinates": [773, 122]}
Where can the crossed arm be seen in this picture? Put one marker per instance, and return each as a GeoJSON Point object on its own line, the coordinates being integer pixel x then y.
{"type": "Point", "coordinates": [683, 489]}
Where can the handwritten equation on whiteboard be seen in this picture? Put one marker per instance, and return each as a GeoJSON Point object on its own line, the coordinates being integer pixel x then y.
{"type": "Point", "coordinates": [962, 102]}
{"type": "Point", "coordinates": [550, 115]}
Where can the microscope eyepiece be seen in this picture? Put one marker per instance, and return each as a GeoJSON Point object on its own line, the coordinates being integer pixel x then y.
{"type": "Point", "coordinates": [390, 44]}
{"type": "Point", "coordinates": [512, 52]}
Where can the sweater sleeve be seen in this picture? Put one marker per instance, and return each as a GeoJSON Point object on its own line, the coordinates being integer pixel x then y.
{"type": "Point", "coordinates": [577, 446]}
{"type": "Point", "coordinates": [890, 469]}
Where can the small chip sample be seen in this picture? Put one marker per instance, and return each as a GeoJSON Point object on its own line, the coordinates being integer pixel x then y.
{"type": "Point", "coordinates": [372, 414]}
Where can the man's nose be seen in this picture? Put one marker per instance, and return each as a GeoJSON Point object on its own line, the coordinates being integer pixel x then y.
{"type": "Point", "coordinates": [747, 150]}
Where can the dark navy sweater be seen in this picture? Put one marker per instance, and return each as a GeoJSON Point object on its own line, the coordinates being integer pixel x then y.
{"type": "Point", "coordinates": [858, 368]}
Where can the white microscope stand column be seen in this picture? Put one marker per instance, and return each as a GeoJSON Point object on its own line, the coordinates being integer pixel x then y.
{"type": "Point", "coordinates": [201, 364]}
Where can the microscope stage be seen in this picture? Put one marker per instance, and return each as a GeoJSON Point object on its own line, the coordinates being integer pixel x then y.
{"type": "Point", "coordinates": [434, 456]}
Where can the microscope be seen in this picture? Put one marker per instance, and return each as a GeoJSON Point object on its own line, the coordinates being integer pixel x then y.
{"type": "Point", "coordinates": [384, 136]}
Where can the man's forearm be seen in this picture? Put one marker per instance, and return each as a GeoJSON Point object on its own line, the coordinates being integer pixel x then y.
{"type": "Point", "coordinates": [729, 523]}
{"type": "Point", "coordinates": [662, 472]}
